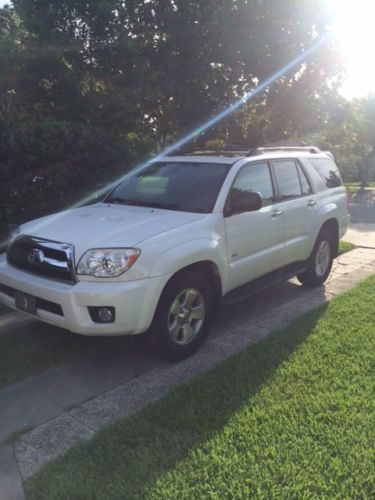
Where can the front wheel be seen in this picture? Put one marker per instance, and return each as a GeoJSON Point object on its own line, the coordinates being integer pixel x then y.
{"type": "Point", "coordinates": [320, 262]}
{"type": "Point", "coordinates": [183, 316]}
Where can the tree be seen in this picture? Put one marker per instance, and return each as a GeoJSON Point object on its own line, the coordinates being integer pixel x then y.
{"type": "Point", "coordinates": [349, 133]}
{"type": "Point", "coordinates": [91, 85]}
{"type": "Point", "coordinates": [169, 65]}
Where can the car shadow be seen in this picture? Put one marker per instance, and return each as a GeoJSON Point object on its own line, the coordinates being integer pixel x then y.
{"type": "Point", "coordinates": [97, 364]}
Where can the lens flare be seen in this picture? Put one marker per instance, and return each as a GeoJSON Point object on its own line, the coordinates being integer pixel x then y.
{"type": "Point", "coordinates": [353, 28]}
{"type": "Point", "coordinates": [299, 59]}
{"type": "Point", "coordinates": [302, 57]}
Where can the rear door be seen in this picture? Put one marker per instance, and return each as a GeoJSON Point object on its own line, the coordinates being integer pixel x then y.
{"type": "Point", "coordinates": [254, 239]}
{"type": "Point", "coordinates": [299, 206]}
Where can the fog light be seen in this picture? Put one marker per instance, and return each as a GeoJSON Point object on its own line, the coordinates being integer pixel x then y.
{"type": "Point", "coordinates": [104, 314]}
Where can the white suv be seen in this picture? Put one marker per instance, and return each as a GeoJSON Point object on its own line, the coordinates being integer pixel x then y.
{"type": "Point", "coordinates": [171, 240]}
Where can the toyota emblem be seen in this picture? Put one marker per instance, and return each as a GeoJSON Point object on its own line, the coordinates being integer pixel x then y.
{"type": "Point", "coordinates": [36, 256]}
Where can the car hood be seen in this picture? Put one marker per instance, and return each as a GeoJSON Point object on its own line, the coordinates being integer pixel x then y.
{"type": "Point", "coordinates": [106, 226]}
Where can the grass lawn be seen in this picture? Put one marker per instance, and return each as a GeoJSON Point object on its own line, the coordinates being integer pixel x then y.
{"type": "Point", "coordinates": [344, 247]}
{"type": "Point", "coordinates": [358, 184]}
{"type": "Point", "coordinates": [354, 187]}
{"type": "Point", "coordinates": [35, 347]}
{"type": "Point", "coordinates": [4, 309]}
{"type": "Point", "coordinates": [291, 417]}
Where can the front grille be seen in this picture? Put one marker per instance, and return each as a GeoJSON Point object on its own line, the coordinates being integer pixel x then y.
{"type": "Point", "coordinates": [6, 290]}
{"type": "Point", "coordinates": [49, 306]}
{"type": "Point", "coordinates": [46, 305]}
{"type": "Point", "coordinates": [43, 257]}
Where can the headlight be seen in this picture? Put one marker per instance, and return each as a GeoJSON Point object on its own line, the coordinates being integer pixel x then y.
{"type": "Point", "coordinates": [107, 263]}
{"type": "Point", "coordinates": [13, 234]}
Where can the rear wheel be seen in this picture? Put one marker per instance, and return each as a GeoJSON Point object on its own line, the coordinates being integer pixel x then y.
{"type": "Point", "coordinates": [183, 316]}
{"type": "Point", "coordinates": [320, 262]}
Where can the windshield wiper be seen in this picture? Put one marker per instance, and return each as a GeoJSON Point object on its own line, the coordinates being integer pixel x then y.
{"type": "Point", "coordinates": [151, 204]}
{"type": "Point", "coordinates": [165, 206]}
{"type": "Point", "coordinates": [125, 201]}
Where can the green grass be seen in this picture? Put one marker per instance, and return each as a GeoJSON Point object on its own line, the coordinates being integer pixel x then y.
{"type": "Point", "coordinates": [35, 347]}
{"type": "Point", "coordinates": [344, 247]}
{"type": "Point", "coordinates": [291, 417]}
{"type": "Point", "coordinates": [358, 184]}
{"type": "Point", "coordinates": [354, 187]}
{"type": "Point", "coordinates": [4, 309]}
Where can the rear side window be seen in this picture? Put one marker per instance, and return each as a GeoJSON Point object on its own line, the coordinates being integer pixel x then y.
{"type": "Point", "coordinates": [306, 189]}
{"type": "Point", "coordinates": [328, 171]}
{"type": "Point", "coordinates": [288, 180]}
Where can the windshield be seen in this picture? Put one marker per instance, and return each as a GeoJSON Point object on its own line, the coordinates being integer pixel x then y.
{"type": "Point", "coordinates": [188, 187]}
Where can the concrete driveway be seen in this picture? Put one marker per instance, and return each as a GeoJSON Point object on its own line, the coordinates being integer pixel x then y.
{"type": "Point", "coordinates": [111, 363]}
{"type": "Point", "coordinates": [362, 215]}
{"type": "Point", "coordinates": [362, 207]}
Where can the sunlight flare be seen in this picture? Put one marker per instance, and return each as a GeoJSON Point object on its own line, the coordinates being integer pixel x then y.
{"type": "Point", "coordinates": [354, 29]}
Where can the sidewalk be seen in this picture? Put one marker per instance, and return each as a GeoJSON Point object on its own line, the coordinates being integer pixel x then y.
{"type": "Point", "coordinates": [59, 428]}
{"type": "Point", "coordinates": [361, 235]}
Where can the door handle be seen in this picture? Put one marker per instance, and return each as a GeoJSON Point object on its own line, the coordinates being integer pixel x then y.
{"type": "Point", "coordinates": [312, 203]}
{"type": "Point", "coordinates": [277, 212]}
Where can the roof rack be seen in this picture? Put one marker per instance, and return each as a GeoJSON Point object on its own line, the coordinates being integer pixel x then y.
{"type": "Point", "coordinates": [213, 152]}
{"type": "Point", "coordinates": [289, 149]}
{"type": "Point", "coordinates": [233, 152]}
{"type": "Point", "coordinates": [330, 155]}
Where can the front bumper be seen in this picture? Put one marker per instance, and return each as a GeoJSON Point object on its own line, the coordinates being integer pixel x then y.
{"type": "Point", "coordinates": [135, 301]}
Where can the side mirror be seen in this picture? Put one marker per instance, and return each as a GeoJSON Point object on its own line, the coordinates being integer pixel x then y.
{"type": "Point", "coordinates": [243, 201]}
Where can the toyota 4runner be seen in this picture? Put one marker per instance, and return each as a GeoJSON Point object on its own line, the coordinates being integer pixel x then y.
{"type": "Point", "coordinates": [176, 237]}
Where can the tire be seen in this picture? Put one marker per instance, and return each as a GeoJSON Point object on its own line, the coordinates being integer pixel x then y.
{"type": "Point", "coordinates": [320, 261]}
{"type": "Point", "coordinates": [183, 316]}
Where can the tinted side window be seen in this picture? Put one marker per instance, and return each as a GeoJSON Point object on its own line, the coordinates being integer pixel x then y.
{"type": "Point", "coordinates": [255, 178]}
{"type": "Point", "coordinates": [306, 189]}
{"type": "Point", "coordinates": [287, 179]}
{"type": "Point", "coordinates": [328, 171]}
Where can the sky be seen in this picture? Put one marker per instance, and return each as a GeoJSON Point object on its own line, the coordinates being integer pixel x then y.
{"type": "Point", "coordinates": [353, 27]}
{"type": "Point", "coordinates": [354, 30]}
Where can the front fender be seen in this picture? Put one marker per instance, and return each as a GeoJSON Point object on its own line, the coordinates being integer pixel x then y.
{"type": "Point", "coordinates": [185, 254]}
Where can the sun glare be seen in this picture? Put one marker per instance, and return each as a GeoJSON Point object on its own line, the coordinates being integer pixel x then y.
{"type": "Point", "coordinates": [354, 28]}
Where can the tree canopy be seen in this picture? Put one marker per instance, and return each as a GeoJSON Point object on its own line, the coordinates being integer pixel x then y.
{"type": "Point", "coordinates": [89, 88]}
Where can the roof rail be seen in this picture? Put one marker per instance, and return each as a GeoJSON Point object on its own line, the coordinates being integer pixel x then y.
{"type": "Point", "coordinates": [213, 152]}
{"type": "Point", "coordinates": [306, 149]}
{"type": "Point", "coordinates": [330, 155]}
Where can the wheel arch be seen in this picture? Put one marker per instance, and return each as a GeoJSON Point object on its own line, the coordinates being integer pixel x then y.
{"type": "Point", "coordinates": [332, 227]}
{"type": "Point", "coordinates": [206, 268]}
